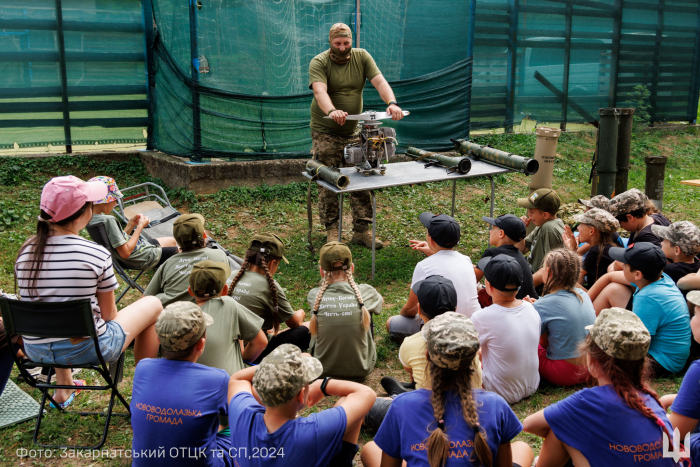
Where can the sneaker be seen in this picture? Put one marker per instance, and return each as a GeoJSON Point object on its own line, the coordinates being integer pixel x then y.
{"type": "Point", "coordinates": [365, 239]}
{"type": "Point", "coordinates": [393, 387]}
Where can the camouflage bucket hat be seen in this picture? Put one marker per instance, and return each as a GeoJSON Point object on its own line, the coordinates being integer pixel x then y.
{"type": "Point", "coordinates": [181, 325]}
{"type": "Point", "coordinates": [630, 200]}
{"type": "Point", "coordinates": [598, 201]}
{"type": "Point", "coordinates": [283, 373]}
{"type": "Point", "coordinates": [208, 278]}
{"type": "Point", "coordinates": [600, 219]}
{"type": "Point", "coordinates": [694, 297]}
{"type": "Point", "coordinates": [188, 229]}
{"type": "Point", "coordinates": [684, 234]}
{"type": "Point", "coordinates": [334, 252]}
{"type": "Point", "coordinates": [270, 244]}
{"type": "Point", "coordinates": [620, 334]}
{"type": "Point", "coordinates": [452, 340]}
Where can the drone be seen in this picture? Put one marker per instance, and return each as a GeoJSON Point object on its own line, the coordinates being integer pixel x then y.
{"type": "Point", "coordinates": [376, 144]}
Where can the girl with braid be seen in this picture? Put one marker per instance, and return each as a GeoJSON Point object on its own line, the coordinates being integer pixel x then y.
{"type": "Point", "coordinates": [450, 423]}
{"type": "Point", "coordinates": [254, 288]}
{"type": "Point", "coordinates": [341, 325]}
{"type": "Point", "coordinates": [565, 310]}
{"type": "Point", "coordinates": [620, 422]}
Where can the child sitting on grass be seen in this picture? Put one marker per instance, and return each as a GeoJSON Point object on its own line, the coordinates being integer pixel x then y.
{"type": "Point", "coordinates": [341, 333]}
{"type": "Point", "coordinates": [235, 324]}
{"type": "Point", "coordinates": [509, 331]}
{"type": "Point", "coordinates": [134, 252]}
{"type": "Point", "coordinates": [630, 209]}
{"type": "Point", "coordinates": [565, 310]}
{"type": "Point", "coordinates": [596, 229]}
{"type": "Point", "coordinates": [464, 425]}
{"type": "Point", "coordinates": [657, 301]}
{"type": "Point", "coordinates": [542, 207]}
{"type": "Point", "coordinates": [601, 426]}
{"type": "Point", "coordinates": [286, 382]}
{"type": "Point", "coordinates": [681, 245]}
{"type": "Point", "coordinates": [254, 288]}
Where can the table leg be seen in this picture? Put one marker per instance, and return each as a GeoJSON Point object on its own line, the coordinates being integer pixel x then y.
{"type": "Point", "coordinates": [374, 228]}
{"type": "Point", "coordinates": [493, 193]}
{"type": "Point", "coordinates": [340, 218]}
{"type": "Point", "coordinates": [454, 193]}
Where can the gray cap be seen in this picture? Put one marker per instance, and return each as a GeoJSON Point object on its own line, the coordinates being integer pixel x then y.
{"type": "Point", "coordinates": [181, 325]}
{"type": "Point", "coordinates": [684, 234]}
{"type": "Point", "coordinates": [694, 297]}
{"type": "Point", "coordinates": [597, 201]}
{"type": "Point", "coordinates": [283, 373]}
{"type": "Point", "coordinates": [629, 201]}
{"type": "Point", "coordinates": [598, 218]}
{"type": "Point", "coordinates": [620, 334]}
{"type": "Point", "coordinates": [452, 340]}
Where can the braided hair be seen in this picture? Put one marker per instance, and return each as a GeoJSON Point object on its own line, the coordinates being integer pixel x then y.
{"type": "Point", "coordinates": [443, 380]}
{"type": "Point", "coordinates": [338, 269]}
{"type": "Point", "coordinates": [629, 378]}
{"type": "Point", "coordinates": [606, 238]}
{"type": "Point", "coordinates": [256, 258]}
{"type": "Point", "coordinates": [565, 268]}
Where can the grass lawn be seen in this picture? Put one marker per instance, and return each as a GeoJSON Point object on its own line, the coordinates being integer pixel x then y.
{"type": "Point", "coordinates": [234, 214]}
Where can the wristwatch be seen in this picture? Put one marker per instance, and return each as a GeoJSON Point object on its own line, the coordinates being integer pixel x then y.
{"type": "Point", "coordinates": [331, 111]}
{"type": "Point", "coordinates": [324, 384]}
{"type": "Point", "coordinates": [392, 102]}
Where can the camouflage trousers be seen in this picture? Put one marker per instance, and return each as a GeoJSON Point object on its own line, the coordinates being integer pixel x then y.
{"type": "Point", "coordinates": [328, 150]}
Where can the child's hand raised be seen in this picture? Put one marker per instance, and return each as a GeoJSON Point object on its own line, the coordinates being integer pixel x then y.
{"type": "Point", "coordinates": [421, 245]}
{"type": "Point", "coordinates": [526, 220]}
{"type": "Point", "coordinates": [569, 239]}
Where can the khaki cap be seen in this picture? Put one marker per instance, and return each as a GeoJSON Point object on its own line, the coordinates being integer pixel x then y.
{"type": "Point", "coordinates": [181, 325]}
{"type": "Point", "coordinates": [545, 199]}
{"type": "Point", "coordinates": [620, 334]}
{"type": "Point", "coordinates": [283, 373]}
{"type": "Point", "coordinates": [188, 230]}
{"type": "Point", "coordinates": [270, 244]}
{"type": "Point", "coordinates": [334, 252]}
{"type": "Point", "coordinates": [208, 278]}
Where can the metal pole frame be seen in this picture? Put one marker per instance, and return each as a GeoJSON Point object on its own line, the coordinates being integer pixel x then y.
{"type": "Point", "coordinates": [194, 66]}
{"type": "Point", "coordinates": [512, 57]}
{"type": "Point", "coordinates": [567, 63]}
{"type": "Point", "coordinates": [64, 79]}
{"type": "Point", "coordinates": [615, 54]}
{"type": "Point", "coordinates": [657, 59]}
{"type": "Point", "coordinates": [470, 54]}
{"type": "Point", "coordinates": [358, 22]}
{"type": "Point", "coordinates": [340, 217]}
{"type": "Point", "coordinates": [147, 10]}
{"type": "Point", "coordinates": [695, 80]}
{"type": "Point", "coordinates": [374, 229]}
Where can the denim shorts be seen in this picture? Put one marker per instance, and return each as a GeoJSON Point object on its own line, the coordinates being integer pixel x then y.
{"type": "Point", "coordinates": [64, 353]}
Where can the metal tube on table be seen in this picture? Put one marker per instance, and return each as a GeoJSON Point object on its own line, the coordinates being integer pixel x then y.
{"type": "Point", "coordinates": [624, 143]}
{"type": "Point", "coordinates": [654, 186]}
{"type": "Point", "coordinates": [461, 164]}
{"type": "Point", "coordinates": [606, 167]}
{"type": "Point", "coordinates": [325, 173]}
{"type": "Point", "coordinates": [497, 157]}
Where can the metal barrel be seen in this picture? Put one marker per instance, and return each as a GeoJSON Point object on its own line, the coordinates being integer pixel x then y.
{"type": "Point", "coordinates": [624, 143]}
{"type": "Point", "coordinates": [606, 166]}
{"type": "Point", "coordinates": [325, 173]}
{"type": "Point", "coordinates": [545, 155]}
{"type": "Point", "coordinates": [654, 186]}
{"type": "Point", "coordinates": [461, 164]}
{"type": "Point", "coordinates": [497, 157]}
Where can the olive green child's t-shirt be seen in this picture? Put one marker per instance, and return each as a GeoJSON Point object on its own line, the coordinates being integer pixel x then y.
{"type": "Point", "coordinates": [253, 292]}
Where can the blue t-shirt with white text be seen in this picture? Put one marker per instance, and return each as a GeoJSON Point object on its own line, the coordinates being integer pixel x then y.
{"type": "Point", "coordinates": [303, 442]}
{"type": "Point", "coordinates": [607, 431]}
{"type": "Point", "coordinates": [175, 407]}
{"type": "Point", "coordinates": [687, 403]}
{"type": "Point", "coordinates": [662, 309]}
{"type": "Point", "coordinates": [405, 428]}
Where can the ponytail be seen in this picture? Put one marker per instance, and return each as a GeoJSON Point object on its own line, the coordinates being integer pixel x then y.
{"type": "Point", "coordinates": [313, 325]}
{"type": "Point", "coordinates": [366, 318]}
{"type": "Point", "coordinates": [443, 380]}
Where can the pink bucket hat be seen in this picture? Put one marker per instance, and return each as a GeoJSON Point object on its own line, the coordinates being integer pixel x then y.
{"type": "Point", "coordinates": [113, 192]}
{"type": "Point", "coordinates": [64, 196]}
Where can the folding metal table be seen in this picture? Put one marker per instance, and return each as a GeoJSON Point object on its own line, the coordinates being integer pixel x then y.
{"type": "Point", "coordinates": [405, 173]}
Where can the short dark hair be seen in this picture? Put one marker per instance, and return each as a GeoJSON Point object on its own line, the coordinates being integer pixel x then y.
{"type": "Point", "coordinates": [646, 276]}
{"type": "Point", "coordinates": [638, 213]}
{"type": "Point", "coordinates": [180, 354]}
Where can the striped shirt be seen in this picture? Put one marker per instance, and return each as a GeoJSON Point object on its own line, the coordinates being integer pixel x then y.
{"type": "Point", "coordinates": [73, 268]}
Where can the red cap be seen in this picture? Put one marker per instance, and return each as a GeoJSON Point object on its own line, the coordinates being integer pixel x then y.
{"type": "Point", "coordinates": [64, 196]}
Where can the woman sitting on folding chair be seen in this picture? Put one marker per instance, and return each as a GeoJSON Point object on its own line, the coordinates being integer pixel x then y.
{"type": "Point", "coordinates": [57, 265]}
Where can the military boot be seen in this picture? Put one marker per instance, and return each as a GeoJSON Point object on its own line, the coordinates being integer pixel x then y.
{"type": "Point", "coordinates": [365, 239]}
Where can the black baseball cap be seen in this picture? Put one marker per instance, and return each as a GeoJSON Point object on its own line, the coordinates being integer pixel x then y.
{"type": "Point", "coordinates": [443, 229]}
{"type": "Point", "coordinates": [502, 271]}
{"type": "Point", "coordinates": [642, 256]}
{"type": "Point", "coordinates": [436, 295]}
{"type": "Point", "coordinates": [513, 227]}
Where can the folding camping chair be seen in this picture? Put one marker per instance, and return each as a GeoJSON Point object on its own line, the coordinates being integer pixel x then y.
{"type": "Point", "coordinates": [63, 320]}
{"type": "Point", "coordinates": [99, 235]}
{"type": "Point", "coordinates": [151, 201]}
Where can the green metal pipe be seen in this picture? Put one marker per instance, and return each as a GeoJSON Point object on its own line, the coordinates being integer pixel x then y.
{"type": "Point", "coordinates": [497, 157]}
{"type": "Point", "coordinates": [606, 166]}
{"type": "Point", "coordinates": [655, 175]}
{"type": "Point", "coordinates": [624, 143]}
{"type": "Point", "coordinates": [461, 164]}
{"type": "Point", "coordinates": [316, 169]}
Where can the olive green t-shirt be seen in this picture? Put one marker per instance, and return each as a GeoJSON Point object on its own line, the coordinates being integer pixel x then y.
{"type": "Point", "coordinates": [345, 84]}
{"type": "Point", "coordinates": [171, 280]}
{"type": "Point", "coordinates": [145, 256]}
{"type": "Point", "coordinates": [253, 292]}
{"type": "Point", "coordinates": [232, 321]}
{"type": "Point", "coordinates": [542, 239]}
{"type": "Point", "coordinates": [344, 348]}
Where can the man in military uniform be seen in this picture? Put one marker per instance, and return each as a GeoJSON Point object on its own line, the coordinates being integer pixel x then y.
{"type": "Point", "coordinates": [337, 78]}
